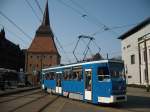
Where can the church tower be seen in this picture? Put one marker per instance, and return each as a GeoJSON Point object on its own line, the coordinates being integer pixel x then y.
{"type": "Point", "coordinates": [42, 52]}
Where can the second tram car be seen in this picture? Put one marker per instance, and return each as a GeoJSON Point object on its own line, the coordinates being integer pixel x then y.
{"type": "Point", "coordinates": [100, 81]}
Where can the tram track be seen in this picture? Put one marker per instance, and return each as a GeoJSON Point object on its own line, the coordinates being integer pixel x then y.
{"type": "Point", "coordinates": [18, 97]}
{"type": "Point", "coordinates": [43, 102]}
{"type": "Point", "coordinates": [48, 104]}
{"type": "Point", "coordinates": [28, 103]}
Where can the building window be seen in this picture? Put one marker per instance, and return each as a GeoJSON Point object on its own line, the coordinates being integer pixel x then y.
{"type": "Point", "coordinates": [129, 76]}
{"type": "Point", "coordinates": [37, 65]}
{"type": "Point", "coordinates": [124, 48]}
{"type": "Point", "coordinates": [128, 46]}
{"type": "Point", "coordinates": [149, 53]}
{"type": "Point", "coordinates": [30, 56]}
{"type": "Point", "coordinates": [144, 55]}
{"type": "Point", "coordinates": [146, 76]}
{"type": "Point", "coordinates": [132, 59]}
{"type": "Point", "coordinates": [30, 65]}
{"type": "Point", "coordinates": [141, 38]}
{"type": "Point", "coordinates": [126, 69]}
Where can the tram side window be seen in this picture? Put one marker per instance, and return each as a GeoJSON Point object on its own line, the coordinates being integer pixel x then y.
{"type": "Point", "coordinates": [67, 75]}
{"type": "Point", "coordinates": [73, 74]}
{"type": "Point", "coordinates": [50, 76]}
{"type": "Point", "coordinates": [46, 76]}
{"type": "Point", "coordinates": [77, 74]}
{"type": "Point", "coordinates": [103, 73]}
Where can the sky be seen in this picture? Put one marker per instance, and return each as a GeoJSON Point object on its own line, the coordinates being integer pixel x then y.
{"type": "Point", "coordinates": [105, 20]}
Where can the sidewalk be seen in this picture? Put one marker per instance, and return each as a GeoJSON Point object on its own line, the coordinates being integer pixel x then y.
{"type": "Point", "coordinates": [137, 92]}
{"type": "Point", "coordinates": [17, 90]}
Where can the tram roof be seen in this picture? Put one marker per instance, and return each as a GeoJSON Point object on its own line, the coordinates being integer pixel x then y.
{"type": "Point", "coordinates": [79, 64]}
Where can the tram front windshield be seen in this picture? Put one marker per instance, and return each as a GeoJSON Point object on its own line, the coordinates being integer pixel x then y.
{"type": "Point", "coordinates": [103, 73]}
{"type": "Point", "coordinates": [116, 70]}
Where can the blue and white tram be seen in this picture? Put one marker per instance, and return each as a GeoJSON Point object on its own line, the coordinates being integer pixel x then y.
{"type": "Point", "coordinates": [100, 81]}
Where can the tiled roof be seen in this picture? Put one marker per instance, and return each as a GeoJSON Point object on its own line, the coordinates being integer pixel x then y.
{"type": "Point", "coordinates": [44, 38]}
{"type": "Point", "coordinates": [43, 45]}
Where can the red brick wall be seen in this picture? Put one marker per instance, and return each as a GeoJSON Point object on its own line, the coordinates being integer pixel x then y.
{"type": "Point", "coordinates": [36, 61]}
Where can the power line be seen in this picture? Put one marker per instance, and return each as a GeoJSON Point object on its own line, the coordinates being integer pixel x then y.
{"type": "Point", "coordinates": [122, 26]}
{"type": "Point", "coordinates": [55, 35]}
{"type": "Point", "coordinates": [2, 14]}
{"type": "Point", "coordinates": [83, 15]}
{"type": "Point", "coordinates": [89, 17]}
{"type": "Point", "coordinates": [37, 3]}
{"type": "Point", "coordinates": [69, 44]}
{"type": "Point", "coordinates": [14, 34]}
{"type": "Point", "coordinates": [105, 27]}
{"type": "Point", "coordinates": [113, 28]}
{"type": "Point", "coordinates": [62, 48]}
{"type": "Point", "coordinates": [95, 19]}
{"type": "Point", "coordinates": [98, 31]}
{"type": "Point", "coordinates": [20, 29]}
{"type": "Point", "coordinates": [78, 12]}
{"type": "Point", "coordinates": [33, 10]}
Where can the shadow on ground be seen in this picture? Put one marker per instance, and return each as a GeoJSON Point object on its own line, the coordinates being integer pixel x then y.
{"type": "Point", "coordinates": [133, 102]}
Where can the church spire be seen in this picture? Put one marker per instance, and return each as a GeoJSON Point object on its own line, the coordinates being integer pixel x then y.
{"type": "Point", "coordinates": [45, 21]}
{"type": "Point", "coordinates": [2, 33]}
{"type": "Point", "coordinates": [45, 29]}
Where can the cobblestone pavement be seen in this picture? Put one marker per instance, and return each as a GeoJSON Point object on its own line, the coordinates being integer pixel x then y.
{"type": "Point", "coordinates": [38, 101]}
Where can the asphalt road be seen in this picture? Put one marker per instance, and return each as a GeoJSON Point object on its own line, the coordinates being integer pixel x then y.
{"type": "Point", "coordinates": [38, 101]}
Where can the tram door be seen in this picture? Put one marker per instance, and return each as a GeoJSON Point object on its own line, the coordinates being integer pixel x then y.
{"type": "Point", "coordinates": [88, 84]}
{"type": "Point", "coordinates": [58, 82]}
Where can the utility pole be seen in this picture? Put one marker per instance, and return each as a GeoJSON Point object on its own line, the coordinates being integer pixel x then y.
{"type": "Point", "coordinates": [41, 62]}
{"type": "Point", "coordinates": [107, 56]}
{"type": "Point", "coordinates": [41, 66]}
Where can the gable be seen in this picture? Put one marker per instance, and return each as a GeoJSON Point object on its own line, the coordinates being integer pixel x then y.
{"type": "Point", "coordinates": [43, 45]}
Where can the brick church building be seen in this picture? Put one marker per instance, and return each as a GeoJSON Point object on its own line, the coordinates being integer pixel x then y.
{"type": "Point", "coordinates": [42, 52]}
{"type": "Point", "coordinates": [11, 56]}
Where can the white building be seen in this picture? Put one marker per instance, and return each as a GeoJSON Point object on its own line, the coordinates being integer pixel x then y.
{"type": "Point", "coordinates": [136, 53]}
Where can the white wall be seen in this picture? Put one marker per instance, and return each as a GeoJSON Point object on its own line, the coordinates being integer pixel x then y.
{"type": "Point", "coordinates": [132, 43]}
{"type": "Point", "coordinates": [142, 48]}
